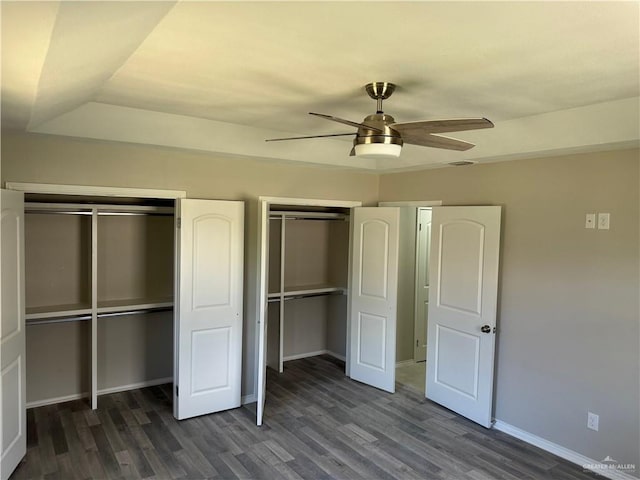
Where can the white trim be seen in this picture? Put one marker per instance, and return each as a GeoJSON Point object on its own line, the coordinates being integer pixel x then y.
{"type": "Point", "coordinates": [560, 451]}
{"type": "Point", "coordinates": [249, 399]}
{"type": "Point", "coordinates": [134, 386]}
{"type": "Point", "coordinates": [94, 309]}
{"type": "Point", "coordinates": [304, 355]}
{"type": "Point", "coordinates": [412, 203]}
{"type": "Point", "coordinates": [104, 391]}
{"type": "Point", "coordinates": [336, 355]}
{"type": "Point", "coordinates": [310, 202]}
{"type": "Point", "coordinates": [314, 354]}
{"type": "Point", "coordinates": [52, 401]}
{"type": "Point", "coordinates": [405, 362]}
{"type": "Point", "coordinates": [50, 188]}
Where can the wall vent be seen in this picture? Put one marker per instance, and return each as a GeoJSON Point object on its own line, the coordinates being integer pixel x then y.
{"type": "Point", "coordinates": [461, 163]}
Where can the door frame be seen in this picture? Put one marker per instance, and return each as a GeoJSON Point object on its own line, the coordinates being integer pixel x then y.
{"type": "Point", "coordinates": [90, 191]}
{"type": "Point", "coordinates": [262, 248]}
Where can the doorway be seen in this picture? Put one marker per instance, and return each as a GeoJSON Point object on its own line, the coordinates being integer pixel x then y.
{"type": "Point", "coordinates": [414, 288]}
{"type": "Point", "coordinates": [413, 292]}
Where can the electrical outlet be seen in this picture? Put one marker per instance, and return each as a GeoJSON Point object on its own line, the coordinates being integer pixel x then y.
{"type": "Point", "coordinates": [590, 221]}
{"type": "Point", "coordinates": [592, 421]}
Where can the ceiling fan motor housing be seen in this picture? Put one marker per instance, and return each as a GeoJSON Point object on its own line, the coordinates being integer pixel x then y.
{"type": "Point", "coordinates": [381, 122]}
{"type": "Point", "coordinates": [380, 91]}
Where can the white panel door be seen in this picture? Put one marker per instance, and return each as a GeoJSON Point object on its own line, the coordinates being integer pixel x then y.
{"type": "Point", "coordinates": [263, 318]}
{"type": "Point", "coordinates": [13, 423]}
{"type": "Point", "coordinates": [208, 324]}
{"type": "Point", "coordinates": [373, 296]}
{"type": "Point", "coordinates": [422, 284]}
{"type": "Point", "coordinates": [464, 257]}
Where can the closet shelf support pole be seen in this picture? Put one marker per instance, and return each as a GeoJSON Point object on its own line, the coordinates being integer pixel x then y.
{"type": "Point", "coordinates": [94, 308]}
{"type": "Point", "coordinates": [283, 235]}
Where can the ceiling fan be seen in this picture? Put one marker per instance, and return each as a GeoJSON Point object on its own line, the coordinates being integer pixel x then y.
{"type": "Point", "coordinates": [380, 136]}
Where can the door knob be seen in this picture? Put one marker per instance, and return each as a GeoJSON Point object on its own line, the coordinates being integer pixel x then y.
{"type": "Point", "coordinates": [485, 329]}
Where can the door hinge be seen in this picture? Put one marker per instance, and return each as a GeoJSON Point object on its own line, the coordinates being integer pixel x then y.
{"type": "Point", "coordinates": [420, 227]}
{"type": "Point", "coordinates": [417, 342]}
{"type": "Point", "coordinates": [178, 222]}
{"type": "Point", "coordinates": [177, 391]}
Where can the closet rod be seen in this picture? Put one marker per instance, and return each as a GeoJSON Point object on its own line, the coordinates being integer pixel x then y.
{"type": "Point", "coordinates": [77, 318]}
{"type": "Point", "coordinates": [135, 312]}
{"type": "Point", "coordinates": [59, 212]}
{"type": "Point", "coordinates": [289, 215]}
{"type": "Point", "coordinates": [101, 214]}
{"type": "Point", "coordinates": [168, 214]}
{"type": "Point", "coordinates": [308, 295]}
{"type": "Point", "coordinates": [304, 295]}
{"type": "Point", "coordinates": [103, 209]}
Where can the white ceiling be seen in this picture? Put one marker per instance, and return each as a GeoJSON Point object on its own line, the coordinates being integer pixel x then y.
{"type": "Point", "coordinates": [223, 76]}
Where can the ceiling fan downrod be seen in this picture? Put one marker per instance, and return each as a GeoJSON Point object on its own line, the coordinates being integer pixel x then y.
{"type": "Point", "coordinates": [380, 91]}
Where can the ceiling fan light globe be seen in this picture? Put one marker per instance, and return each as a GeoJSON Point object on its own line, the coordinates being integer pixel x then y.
{"type": "Point", "coordinates": [378, 150]}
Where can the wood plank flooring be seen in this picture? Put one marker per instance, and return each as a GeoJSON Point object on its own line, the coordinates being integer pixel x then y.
{"type": "Point", "coordinates": [318, 425]}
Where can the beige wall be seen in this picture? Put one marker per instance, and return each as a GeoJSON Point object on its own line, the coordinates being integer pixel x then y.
{"type": "Point", "coordinates": [568, 319]}
{"type": "Point", "coordinates": [61, 160]}
{"type": "Point", "coordinates": [53, 159]}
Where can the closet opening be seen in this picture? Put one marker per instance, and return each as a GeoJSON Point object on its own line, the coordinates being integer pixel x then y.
{"type": "Point", "coordinates": [307, 283]}
{"type": "Point", "coordinates": [303, 284]}
{"type": "Point", "coordinates": [99, 281]}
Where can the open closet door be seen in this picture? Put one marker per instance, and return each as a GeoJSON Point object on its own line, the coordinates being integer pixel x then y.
{"type": "Point", "coordinates": [13, 423]}
{"type": "Point", "coordinates": [208, 306]}
{"type": "Point", "coordinates": [373, 296]}
{"type": "Point", "coordinates": [465, 247]}
{"type": "Point", "coordinates": [263, 261]}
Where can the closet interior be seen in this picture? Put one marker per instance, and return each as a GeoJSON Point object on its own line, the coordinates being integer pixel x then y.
{"type": "Point", "coordinates": [307, 283]}
{"type": "Point", "coordinates": [99, 281]}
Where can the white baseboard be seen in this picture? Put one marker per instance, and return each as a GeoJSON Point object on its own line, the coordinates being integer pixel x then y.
{"type": "Point", "coordinates": [104, 391]}
{"type": "Point", "coordinates": [133, 386]}
{"type": "Point", "coordinates": [54, 400]}
{"type": "Point", "coordinates": [562, 452]}
{"type": "Point", "coordinates": [249, 399]}
{"type": "Point", "coordinates": [336, 355]}
{"type": "Point", "coordinates": [313, 354]}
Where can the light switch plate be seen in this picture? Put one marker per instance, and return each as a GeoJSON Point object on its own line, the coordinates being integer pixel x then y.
{"type": "Point", "coordinates": [590, 221]}
{"type": "Point", "coordinates": [603, 221]}
{"type": "Point", "coordinates": [593, 421]}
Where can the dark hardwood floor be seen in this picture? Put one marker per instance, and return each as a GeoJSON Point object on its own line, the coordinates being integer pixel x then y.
{"type": "Point", "coordinates": [318, 425]}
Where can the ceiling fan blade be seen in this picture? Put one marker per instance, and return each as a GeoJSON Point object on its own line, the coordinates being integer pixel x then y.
{"type": "Point", "coordinates": [442, 126]}
{"type": "Point", "coordinates": [346, 122]}
{"type": "Point", "coordinates": [436, 141]}
{"type": "Point", "coordinates": [309, 136]}
{"type": "Point", "coordinates": [352, 153]}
